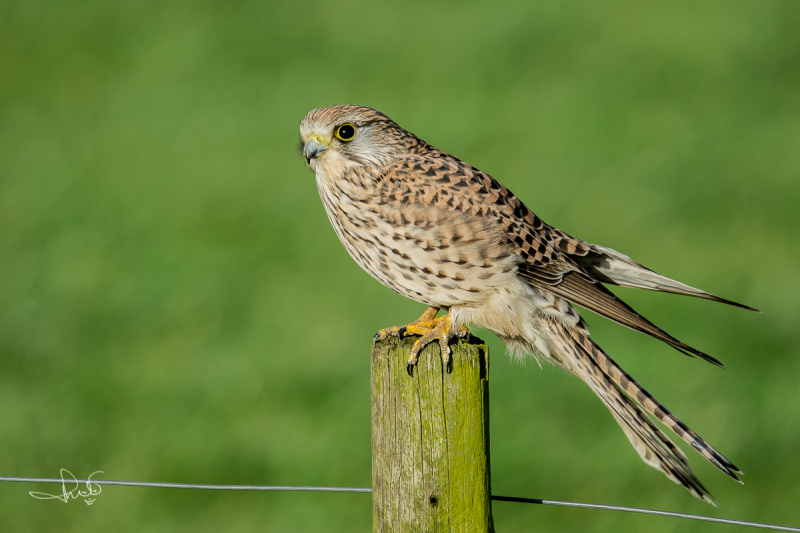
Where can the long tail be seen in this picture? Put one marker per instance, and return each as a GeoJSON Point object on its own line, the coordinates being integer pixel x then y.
{"type": "Point", "coordinates": [581, 356]}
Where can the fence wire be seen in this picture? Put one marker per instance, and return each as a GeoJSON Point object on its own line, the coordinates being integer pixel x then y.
{"type": "Point", "coordinates": [298, 488]}
{"type": "Point", "coordinates": [645, 511]}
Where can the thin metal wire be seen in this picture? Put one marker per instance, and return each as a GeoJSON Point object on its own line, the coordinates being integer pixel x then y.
{"type": "Point", "coordinates": [184, 485]}
{"type": "Point", "coordinates": [369, 490]}
{"type": "Point", "coordinates": [645, 511]}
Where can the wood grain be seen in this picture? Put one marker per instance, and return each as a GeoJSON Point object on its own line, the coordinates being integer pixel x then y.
{"type": "Point", "coordinates": [430, 439]}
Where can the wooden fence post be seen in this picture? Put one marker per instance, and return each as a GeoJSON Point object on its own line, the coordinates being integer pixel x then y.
{"type": "Point", "coordinates": [430, 440]}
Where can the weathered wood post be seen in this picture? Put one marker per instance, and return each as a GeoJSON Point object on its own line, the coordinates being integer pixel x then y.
{"type": "Point", "coordinates": [430, 440]}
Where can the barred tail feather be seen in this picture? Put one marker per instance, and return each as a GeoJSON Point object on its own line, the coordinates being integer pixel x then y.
{"type": "Point", "coordinates": [626, 383]}
{"type": "Point", "coordinates": [581, 356]}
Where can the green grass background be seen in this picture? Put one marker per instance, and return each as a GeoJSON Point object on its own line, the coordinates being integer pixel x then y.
{"type": "Point", "coordinates": [174, 305]}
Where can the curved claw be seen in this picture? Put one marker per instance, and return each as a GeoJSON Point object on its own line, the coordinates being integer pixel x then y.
{"type": "Point", "coordinates": [445, 348]}
{"type": "Point", "coordinates": [430, 329]}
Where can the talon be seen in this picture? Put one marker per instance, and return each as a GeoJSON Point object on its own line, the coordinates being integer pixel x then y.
{"type": "Point", "coordinates": [430, 329]}
{"type": "Point", "coordinates": [445, 354]}
{"type": "Point", "coordinates": [447, 360]}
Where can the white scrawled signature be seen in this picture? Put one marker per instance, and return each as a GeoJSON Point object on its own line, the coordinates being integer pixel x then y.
{"type": "Point", "coordinates": [68, 479]}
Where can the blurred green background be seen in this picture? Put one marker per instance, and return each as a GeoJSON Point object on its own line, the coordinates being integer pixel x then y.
{"type": "Point", "coordinates": [174, 305]}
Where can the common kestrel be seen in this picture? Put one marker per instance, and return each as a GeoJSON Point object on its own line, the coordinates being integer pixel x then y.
{"type": "Point", "coordinates": [441, 232]}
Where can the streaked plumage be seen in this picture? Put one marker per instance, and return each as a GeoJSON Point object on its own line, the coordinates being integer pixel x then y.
{"type": "Point", "coordinates": [441, 232]}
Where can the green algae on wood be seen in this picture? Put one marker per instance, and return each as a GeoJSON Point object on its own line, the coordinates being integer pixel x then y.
{"type": "Point", "coordinates": [430, 439]}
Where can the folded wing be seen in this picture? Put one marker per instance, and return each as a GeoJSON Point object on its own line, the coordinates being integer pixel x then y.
{"type": "Point", "coordinates": [581, 289]}
{"type": "Point", "coordinates": [611, 266]}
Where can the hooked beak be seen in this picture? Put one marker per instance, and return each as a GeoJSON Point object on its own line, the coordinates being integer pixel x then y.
{"type": "Point", "coordinates": [314, 147]}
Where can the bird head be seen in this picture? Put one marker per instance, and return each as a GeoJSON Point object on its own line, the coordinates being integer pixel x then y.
{"type": "Point", "coordinates": [336, 138]}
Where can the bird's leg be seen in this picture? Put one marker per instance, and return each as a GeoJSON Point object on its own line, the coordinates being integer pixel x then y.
{"type": "Point", "coordinates": [430, 329]}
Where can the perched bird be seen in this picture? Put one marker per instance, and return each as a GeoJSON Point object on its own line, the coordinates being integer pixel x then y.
{"type": "Point", "coordinates": [443, 233]}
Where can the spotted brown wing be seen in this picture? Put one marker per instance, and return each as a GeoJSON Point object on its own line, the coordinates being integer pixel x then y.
{"type": "Point", "coordinates": [454, 187]}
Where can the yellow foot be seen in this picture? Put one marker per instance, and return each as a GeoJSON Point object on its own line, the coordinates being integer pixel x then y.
{"type": "Point", "coordinates": [430, 329]}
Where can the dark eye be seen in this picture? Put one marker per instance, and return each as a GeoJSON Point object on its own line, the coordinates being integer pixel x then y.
{"type": "Point", "coordinates": [345, 132]}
